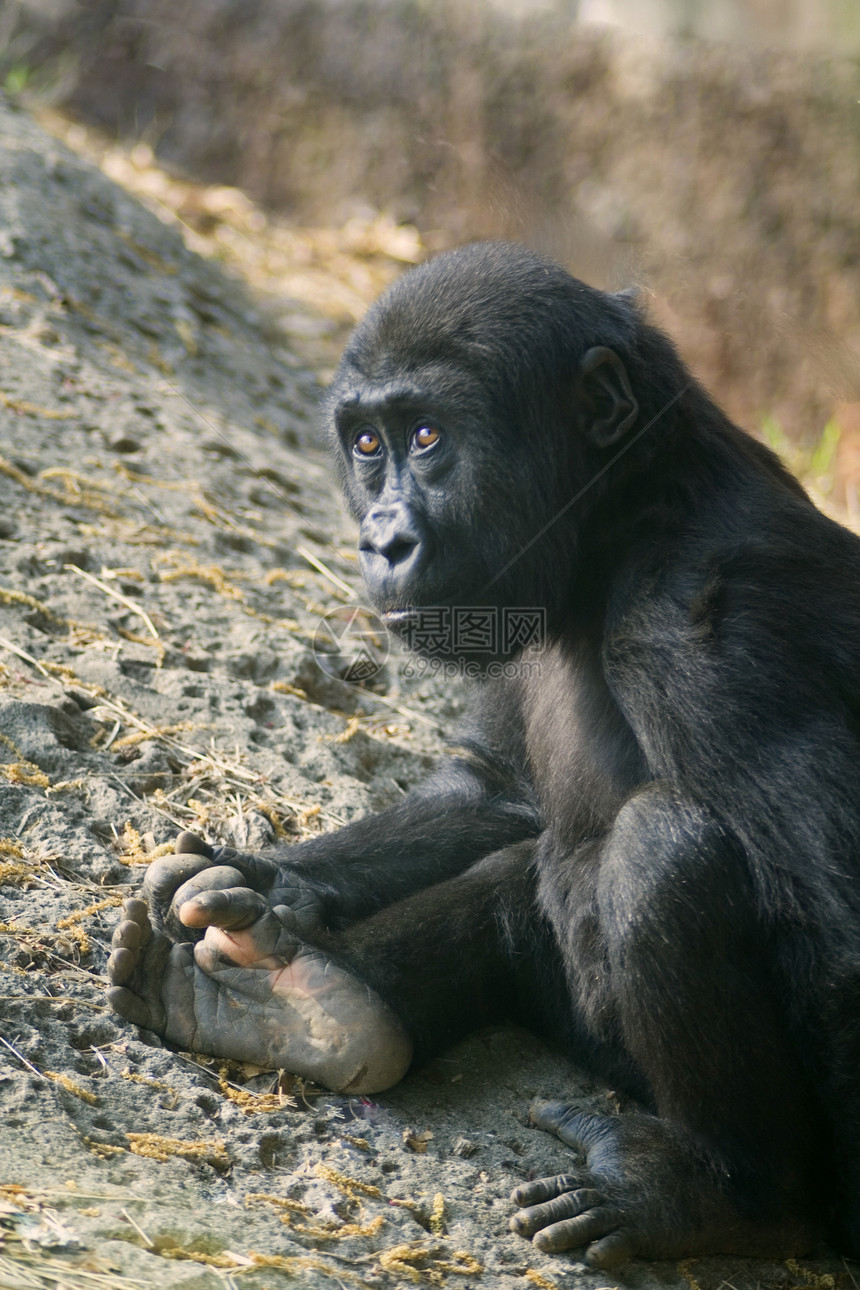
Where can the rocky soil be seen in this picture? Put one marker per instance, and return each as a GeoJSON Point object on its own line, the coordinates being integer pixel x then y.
{"type": "Point", "coordinates": [170, 540]}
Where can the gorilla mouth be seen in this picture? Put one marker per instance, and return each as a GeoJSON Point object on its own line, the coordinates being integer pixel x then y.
{"type": "Point", "coordinates": [399, 617]}
{"type": "Point", "coordinates": [404, 622]}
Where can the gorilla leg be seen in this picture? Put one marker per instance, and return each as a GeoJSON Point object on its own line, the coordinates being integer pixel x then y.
{"type": "Point", "coordinates": [464, 953]}
{"type": "Point", "coordinates": [729, 1164]}
{"type": "Point", "coordinates": [347, 1010]}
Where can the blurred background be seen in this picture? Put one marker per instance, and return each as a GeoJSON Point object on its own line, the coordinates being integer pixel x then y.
{"type": "Point", "coordinates": [705, 150]}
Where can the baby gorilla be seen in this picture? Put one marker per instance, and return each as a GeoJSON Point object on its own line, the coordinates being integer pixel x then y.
{"type": "Point", "coordinates": [645, 845]}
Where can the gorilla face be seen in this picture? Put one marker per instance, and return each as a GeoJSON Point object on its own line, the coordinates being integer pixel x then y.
{"type": "Point", "coordinates": [458, 455]}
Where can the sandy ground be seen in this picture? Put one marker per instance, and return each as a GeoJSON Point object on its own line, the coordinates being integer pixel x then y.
{"type": "Point", "coordinates": [170, 539]}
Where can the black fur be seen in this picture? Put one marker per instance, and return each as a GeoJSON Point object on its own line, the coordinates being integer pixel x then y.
{"type": "Point", "coordinates": [647, 845]}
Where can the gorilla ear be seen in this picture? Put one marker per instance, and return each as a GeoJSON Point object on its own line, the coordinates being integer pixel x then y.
{"type": "Point", "coordinates": [610, 407]}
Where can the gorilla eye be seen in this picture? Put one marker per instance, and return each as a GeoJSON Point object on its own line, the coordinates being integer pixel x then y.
{"type": "Point", "coordinates": [425, 437]}
{"type": "Point", "coordinates": [367, 443]}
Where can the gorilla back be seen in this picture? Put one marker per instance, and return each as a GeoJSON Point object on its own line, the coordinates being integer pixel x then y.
{"type": "Point", "coordinates": [646, 843]}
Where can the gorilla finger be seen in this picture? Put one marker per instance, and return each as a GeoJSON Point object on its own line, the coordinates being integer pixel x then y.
{"type": "Point", "coordinates": [230, 909]}
{"type": "Point", "coordinates": [298, 920]}
{"type": "Point", "coordinates": [135, 914]}
{"type": "Point", "coordinates": [574, 1232]}
{"type": "Point", "coordinates": [541, 1189]}
{"type": "Point", "coordinates": [611, 1250]}
{"type": "Point", "coordinates": [121, 965]}
{"type": "Point", "coordinates": [192, 844]}
{"type": "Point", "coordinates": [577, 1128]}
{"type": "Point", "coordinates": [129, 1006]}
{"type": "Point", "coordinates": [211, 879]}
{"type": "Point", "coordinates": [135, 908]}
{"type": "Point", "coordinates": [569, 1205]}
{"type": "Point", "coordinates": [165, 875]}
{"type": "Point", "coordinates": [129, 935]}
{"type": "Point", "coordinates": [299, 908]}
{"type": "Point", "coordinates": [256, 871]}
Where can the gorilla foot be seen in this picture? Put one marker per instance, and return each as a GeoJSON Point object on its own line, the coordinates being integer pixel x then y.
{"type": "Point", "coordinates": [258, 995]}
{"type": "Point", "coordinates": [644, 1190]}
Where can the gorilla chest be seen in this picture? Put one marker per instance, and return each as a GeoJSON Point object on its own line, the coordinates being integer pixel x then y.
{"type": "Point", "coordinates": [583, 758]}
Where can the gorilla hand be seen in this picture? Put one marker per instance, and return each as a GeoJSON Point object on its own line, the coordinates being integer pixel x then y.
{"type": "Point", "coordinates": [200, 886]}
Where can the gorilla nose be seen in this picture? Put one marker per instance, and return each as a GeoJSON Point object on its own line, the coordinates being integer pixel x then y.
{"type": "Point", "coordinates": [398, 549]}
{"type": "Point", "coordinates": [389, 534]}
